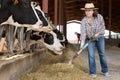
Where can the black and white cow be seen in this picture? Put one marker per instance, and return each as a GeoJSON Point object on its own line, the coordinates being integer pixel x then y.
{"type": "Point", "coordinates": [17, 13]}
{"type": "Point", "coordinates": [21, 14]}
{"type": "Point", "coordinates": [51, 40]}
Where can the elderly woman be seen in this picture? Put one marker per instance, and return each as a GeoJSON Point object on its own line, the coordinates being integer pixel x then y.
{"type": "Point", "coordinates": [92, 26]}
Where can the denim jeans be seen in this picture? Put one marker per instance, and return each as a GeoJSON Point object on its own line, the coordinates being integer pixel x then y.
{"type": "Point", "coordinates": [100, 46]}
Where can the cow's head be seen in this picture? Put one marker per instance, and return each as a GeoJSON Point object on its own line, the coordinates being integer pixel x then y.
{"type": "Point", "coordinates": [51, 40]}
{"type": "Point", "coordinates": [41, 15]}
{"type": "Point", "coordinates": [61, 37]}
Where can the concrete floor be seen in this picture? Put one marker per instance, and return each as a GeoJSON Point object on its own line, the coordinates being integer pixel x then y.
{"type": "Point", "coordinates": [113, 59]}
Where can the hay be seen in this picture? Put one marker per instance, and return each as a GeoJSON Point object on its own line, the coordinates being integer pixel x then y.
{"type": "Point", "coordinates": [56, 68]}
{"type": "Point", "coordinates": [112, 48]}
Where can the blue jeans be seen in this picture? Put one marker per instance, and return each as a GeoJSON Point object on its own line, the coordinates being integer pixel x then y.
{"type": "Point", "coordinates": [100, 45]}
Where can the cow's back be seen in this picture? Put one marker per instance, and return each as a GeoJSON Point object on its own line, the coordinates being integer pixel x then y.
{"type": "Point", "coordinates": [23, 15]}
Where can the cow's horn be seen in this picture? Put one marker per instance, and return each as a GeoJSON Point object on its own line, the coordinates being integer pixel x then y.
{"type": "Point", "coordinates": [16, 2]}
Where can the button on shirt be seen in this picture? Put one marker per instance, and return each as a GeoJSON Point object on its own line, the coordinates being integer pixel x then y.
{"type": "Point", "coordinates": [90, 29]}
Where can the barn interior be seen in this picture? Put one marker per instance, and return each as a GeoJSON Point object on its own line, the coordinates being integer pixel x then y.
{"type": "Point", "coordinates": [62, 11]}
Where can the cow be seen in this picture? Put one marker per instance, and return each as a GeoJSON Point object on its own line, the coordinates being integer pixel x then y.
{"type": "Point", "coordinates": [21, 14]}
{"type": "Point", "coordinates": [51, 40]}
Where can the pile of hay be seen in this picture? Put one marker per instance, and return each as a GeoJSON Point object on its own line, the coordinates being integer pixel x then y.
{"type": "Point", "coordinates": [57, 68]}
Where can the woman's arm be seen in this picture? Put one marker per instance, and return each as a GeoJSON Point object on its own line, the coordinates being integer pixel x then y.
{"type": "Point", "coordinates": [102, 25]}
{"type": "Point", "coordinates": [83, 33]}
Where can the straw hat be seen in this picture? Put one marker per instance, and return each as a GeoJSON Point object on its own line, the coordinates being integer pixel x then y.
{"type": "Point", "coordinates": [89, 6]}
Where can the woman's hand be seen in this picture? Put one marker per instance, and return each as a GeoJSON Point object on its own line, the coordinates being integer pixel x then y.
{"type": "Point", "coordinates": [97, 35]}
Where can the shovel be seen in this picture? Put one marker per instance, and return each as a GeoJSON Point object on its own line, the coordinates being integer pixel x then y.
{"type": "Point", "coordinates": [80, 51]}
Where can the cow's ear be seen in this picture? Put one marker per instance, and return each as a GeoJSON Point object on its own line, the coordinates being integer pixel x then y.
{"type": "Point", "coordinates": [16, 2]}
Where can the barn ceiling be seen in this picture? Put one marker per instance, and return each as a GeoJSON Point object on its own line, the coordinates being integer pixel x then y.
{"type": "Point", "coordinates": [71, 9]}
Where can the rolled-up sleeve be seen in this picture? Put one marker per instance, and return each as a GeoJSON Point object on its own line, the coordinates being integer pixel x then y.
{"type": "Point", "coordinates": [102, 25]}
{"type": "Point", "coordinates": [83, 31]}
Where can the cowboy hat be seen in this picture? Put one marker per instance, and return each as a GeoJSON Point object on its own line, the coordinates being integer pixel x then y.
{"type": "Point", "coordinates": [89, 6]}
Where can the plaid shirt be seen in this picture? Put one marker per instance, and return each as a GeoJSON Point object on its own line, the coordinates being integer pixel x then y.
{"type": "Point", "coordinates": [97, 26]}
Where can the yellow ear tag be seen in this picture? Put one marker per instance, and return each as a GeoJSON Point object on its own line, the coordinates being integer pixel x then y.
{"type": "Point", "coordinates": [16, 2]}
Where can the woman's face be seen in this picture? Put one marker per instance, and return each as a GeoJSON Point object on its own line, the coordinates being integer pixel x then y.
{"type": "Point", "coordinates": [89, 13]}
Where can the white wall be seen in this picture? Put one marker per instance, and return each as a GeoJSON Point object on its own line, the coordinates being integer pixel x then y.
{"type": "Point", "coordinates": [71, 29]}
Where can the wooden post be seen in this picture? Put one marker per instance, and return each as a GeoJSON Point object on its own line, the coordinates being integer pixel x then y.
{"type": "Point", "coordinates": [60, 14]}
{"type": "Point", "coordinates": [110, 10]}
{"type": "Point", "coordinates": [45, 6]}
{"type": "Point", "coordinates": [64, 19]}
{"type": "Point", "coordinates": [55, 12]}
{"type": "Point", "coordinates": [102, 7]}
